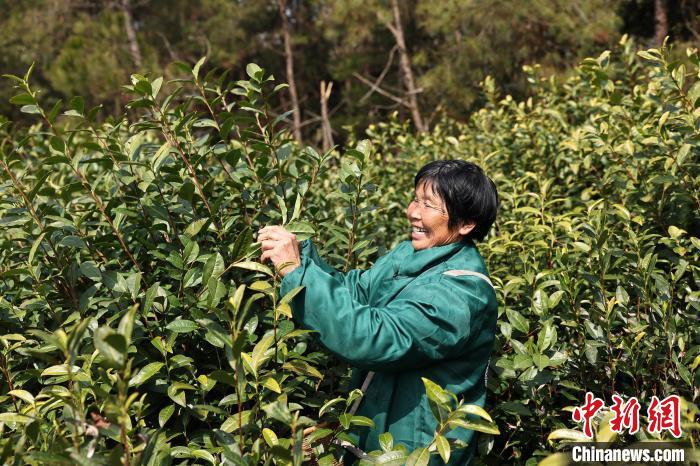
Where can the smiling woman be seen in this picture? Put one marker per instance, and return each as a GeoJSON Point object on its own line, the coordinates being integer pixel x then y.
{"type": "Point", "coordinates": [425, 309]}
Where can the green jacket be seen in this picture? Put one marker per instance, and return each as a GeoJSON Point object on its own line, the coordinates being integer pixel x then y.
{"type": "Point", "coordinates": [404, 318]}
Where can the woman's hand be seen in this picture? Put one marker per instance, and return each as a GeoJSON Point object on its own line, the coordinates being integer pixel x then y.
{"type": "Point", "coordinates": [281, 247]}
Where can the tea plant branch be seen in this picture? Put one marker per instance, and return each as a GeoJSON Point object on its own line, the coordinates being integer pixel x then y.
{"type": "Point", "coordinates": [202, 93]}
{"type": "Point", "coordinates": [62, 283]}
{"type": "Point", "coordinates": [174, 142]}
{"type": "Point", "coordinates": [119, 182]}
{"type": "Point", "coordinates": [349, 259]}
{"type": "Point", "coordinates": [165, 205]}
{"type": "Point", "coordinates": [81, 177]}
{"type": "Point", "coordinates": [8, 377]}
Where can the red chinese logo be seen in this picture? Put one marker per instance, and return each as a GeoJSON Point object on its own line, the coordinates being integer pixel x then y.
{"type": "Point", "coordinates": [665, 415]}
{"type": "Point", "coordinates": [586, 412]}
{"type": "Point", "coordinates": [626, 415]}
{"type": "Point", "coordinates": [662, 414]}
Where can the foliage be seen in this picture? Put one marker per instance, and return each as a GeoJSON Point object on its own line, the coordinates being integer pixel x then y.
{"type": "Point", "coordinates": [136, 324]}
{"type": "Point", "coordinates": [595, 252]}
{"type": "Point", "coordinates": [137, 327]}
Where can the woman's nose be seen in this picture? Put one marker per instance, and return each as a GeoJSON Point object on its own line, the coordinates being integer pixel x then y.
{"type": "Point", "coordinates": [413, 212]}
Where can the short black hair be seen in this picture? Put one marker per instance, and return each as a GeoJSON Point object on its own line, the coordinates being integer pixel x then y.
{"type": "Point", "coordinates": [468, 194]}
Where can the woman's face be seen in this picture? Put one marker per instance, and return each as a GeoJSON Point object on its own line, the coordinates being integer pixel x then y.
{"type": "Point", "coordinates": [428, 216]}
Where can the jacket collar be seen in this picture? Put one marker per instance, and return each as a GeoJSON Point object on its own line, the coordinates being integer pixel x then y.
{"type": "Point", "coordinates": [412, 263]}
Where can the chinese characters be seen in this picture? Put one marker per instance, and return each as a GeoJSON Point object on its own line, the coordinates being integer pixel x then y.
{"type": "Point", "coordinates": [662, 414]}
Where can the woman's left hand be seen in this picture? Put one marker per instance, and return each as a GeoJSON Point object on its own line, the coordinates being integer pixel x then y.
{"type": "Point", "coordinates": [281, 247]}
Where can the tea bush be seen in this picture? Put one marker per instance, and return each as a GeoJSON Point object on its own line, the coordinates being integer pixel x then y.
{"type": "Point", "coordinates": [137, 326]}
{"type": "Point", "coordinates": [595, 251]}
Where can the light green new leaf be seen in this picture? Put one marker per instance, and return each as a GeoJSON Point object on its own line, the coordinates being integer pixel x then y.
{"type": "Point", "coordinates": [22, 395]}
{"type": "Point", "coordinates": [568, 434]}
{"type": "Point", "coordinates": [255, 266]}
{"type": "Point", "coordinates": [475, 410]}
{"type": "Point", "coordinates": [443, 448]}
{"type": "Point", "coordinates": [165, 414]}
{"type": "Point", "coordinates": [419, 457]}
{"type": "Point", "coordinates": [475, 424]}
{"type": "Point", "coordinates": [145, 373]}
{"type": "Point", "coordinates": [14, 417]}
{"type": "Point", "coordinates": [270, 437]}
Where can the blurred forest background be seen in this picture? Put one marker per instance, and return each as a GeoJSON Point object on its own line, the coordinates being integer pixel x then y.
{"type": "Point", "coordinates": [348, 62]}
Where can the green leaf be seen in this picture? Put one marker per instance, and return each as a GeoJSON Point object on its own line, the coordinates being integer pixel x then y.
{"type": "Point", "coordinates": [126, 324]}
{"type": "Point", "coordinates": [59, 370]}
{"type": "Point", "coordinates": [254, 71]}
{"type": "Point", "coordinates": [344, 420]}
{"type": "Point", "coordinates": [255, 266]}
{"type": "Point", "coordinates": [165, 414]}
{"type": "Point", "coordinates": [22, 99]}
{"type": "Point", "coordinates": [438, 400]}
{"type": "Point", "coordinates": [150, 297]}
{"type": "Point", "coordinates": [318, 434]}
{"type": "Point", "coordinates": [259, 351]}
{"type": "Point", "coordinates": [270, 437]}
{"type": "Point", "coordinates": [111, 345]}
{"type": "Point", "coordinates": [197, 66]}
{"type": "Point", "coordinates": [213, 268]}
{"type": "Point", "coordinates": [22, 395]}
{"type": "Point", "coordinates": [160, 156]}
{"type": "Point", "coordinates": [195, 227]}
{"type": "Point", "coordinates": [35, 246]}
{"type": "Point", "coordinates": [182, 326]}
{"type": "Point", "coordinates": [568, 434]}
{"type": "Point", "coordinates": [443, 448]}
{"type": "Point", "coordinates": [155, 86]}
{"type": "Point", "coordinates": [540, 360]}
{"type": "Point", "coordinates": [272, 384]}
{"type": "Point", "coordinates": [203, 455]}
{"type": "Point", "coordinates": [386, 441]}
{"type": "Point", "coordinates": [145, 373]}
{"type": "Point", "coordinates": [361, 421]}
{"type": "Point", "coordinates": [178, 396]}
{"type": "Point", "coordinates": [14, 417]}
{"type": "Point", "coordinates": [389, 458]}
{"type": "Point", "coordinates": [517, 320]}
{"type": "Point", "coordinates": [302, 368]}
{"type": "Point", "coordinates": [30, 109]}
{"type": "Point", "coordinates": [474, 410]}
{"type": "Point", "coordinates": [475, 424]}
{"type": "Point", "coordinates": [231, 424]}
{"type": "Point", "coordinates": [89, 269]}
{"type": "Point", "coordinates": [419, 457]}
{"type": "Point", "coordinates": [327, 405]}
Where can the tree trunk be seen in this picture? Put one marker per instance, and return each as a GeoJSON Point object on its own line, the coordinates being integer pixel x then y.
{"type": "Point", "coordinates": [125, 6]}
{"type": "Point", "coordinates": [289, 58]}
{"type": "Point", "coordinates": [326, 129]}
{"type": "Point", "coordinates": [405, 63]}
{"type": "Point", "coordinates": [660, 22]}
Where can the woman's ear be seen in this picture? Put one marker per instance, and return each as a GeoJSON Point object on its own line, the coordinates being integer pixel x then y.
{"type": "Point", "coordinates": [466, 228]}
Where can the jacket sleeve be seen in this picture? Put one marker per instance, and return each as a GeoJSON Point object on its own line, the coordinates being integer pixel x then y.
{"type": "Point", "coordinates": [356, 281]}
{"type": "Point", "coordinates": [425, 324]}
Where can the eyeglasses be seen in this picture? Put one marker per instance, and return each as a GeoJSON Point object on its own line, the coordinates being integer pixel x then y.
{"type": "Point", "coordinates": [427, 205]}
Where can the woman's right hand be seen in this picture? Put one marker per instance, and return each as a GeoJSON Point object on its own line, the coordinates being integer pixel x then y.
{"type": "Point", "coordinates": [280, 247]}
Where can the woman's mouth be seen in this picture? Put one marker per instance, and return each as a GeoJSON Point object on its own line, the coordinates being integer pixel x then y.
{"type": "Point", "coordinates": [418, 232]}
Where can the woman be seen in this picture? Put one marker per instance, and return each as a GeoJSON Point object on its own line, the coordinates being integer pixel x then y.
{"type": "Point", "coordinates": [425, 309]}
